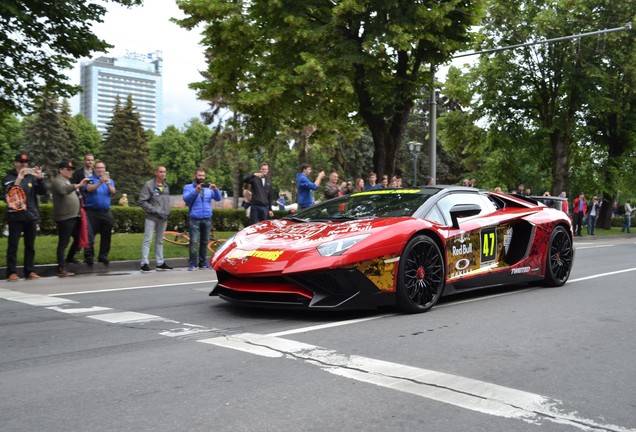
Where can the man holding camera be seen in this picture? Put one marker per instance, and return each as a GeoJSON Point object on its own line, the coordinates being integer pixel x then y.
{"type": "Point", "coordinates": [21, 185]}
{"type": "Point", "coordinates": [98, 194]}
{"type": "Point", "coordinates": [198, 196]}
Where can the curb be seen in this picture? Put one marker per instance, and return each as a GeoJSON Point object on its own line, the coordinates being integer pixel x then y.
{"type": "Point", "coordinates": [46, 270]}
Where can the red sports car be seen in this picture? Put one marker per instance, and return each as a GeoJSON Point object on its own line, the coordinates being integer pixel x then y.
{"type": "Point", "coordinates": [402, 247]}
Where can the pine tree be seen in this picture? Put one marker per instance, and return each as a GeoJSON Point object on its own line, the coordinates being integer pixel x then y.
{"type": "Point", "coordinates": [71, 130]}
{"type": "Point", "coordinates": [125, 150]}
{"type": "Point", "coordinates": [46, 138]}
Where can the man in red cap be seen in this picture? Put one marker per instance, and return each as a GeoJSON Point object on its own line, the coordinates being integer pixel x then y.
{"type": "Point", "coordinates": [21, 185]}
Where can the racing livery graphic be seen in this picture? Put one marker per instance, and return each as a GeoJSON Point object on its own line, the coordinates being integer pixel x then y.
{"type": "Point", "coordinates": [399, 247]}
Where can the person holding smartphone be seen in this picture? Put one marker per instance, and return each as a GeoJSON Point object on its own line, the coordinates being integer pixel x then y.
{"type": "Point", "coordinates": [97, 198]}
{"type": "Point", "coordinates": [22, 214]}
{"type": "Point", "coordinates": [198, 196]}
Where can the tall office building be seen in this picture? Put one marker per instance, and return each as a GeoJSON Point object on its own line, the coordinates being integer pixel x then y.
{"type": "Point", "coordinates": [106, 78]}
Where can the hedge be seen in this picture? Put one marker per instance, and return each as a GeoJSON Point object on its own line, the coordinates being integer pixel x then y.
{"type": "Point", "coordinates": [131, 219]}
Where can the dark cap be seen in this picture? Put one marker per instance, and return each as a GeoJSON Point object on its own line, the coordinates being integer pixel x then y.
{"type": "Point", "coordinates": [22, 157]}
{"type": "Point", "coordinates": [66, 164]}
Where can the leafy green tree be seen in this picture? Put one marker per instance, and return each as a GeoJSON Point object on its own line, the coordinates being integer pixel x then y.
{"type": "Point", "coordinates": [325, 65]}
{"type": "Point", "coordinates": [38, 40]}
{"type": "Point", "coordinates": [608, 105]}
{"type": "Point", "coordinates": [46, 137]}
{"type": "Point", "coordinates": [125, 150]}
{"type": "Point", "coordinates": [179, 154]}
{"type": "Point", "coordinates": [89, 140]}
{"type": "Point", "coordinates": [534, 101]}
{"type": "Point", "coordinates": [11, 141]}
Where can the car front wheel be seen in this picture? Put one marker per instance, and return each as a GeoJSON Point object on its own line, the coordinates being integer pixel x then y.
{"type": "Point", "coordinates": [560, 258]}
{"type": "Point", "coordinates": [421, 275]}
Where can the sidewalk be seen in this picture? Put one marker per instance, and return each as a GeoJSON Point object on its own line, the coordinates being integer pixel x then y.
{"type": "Point", "coordinates": [46, 270]}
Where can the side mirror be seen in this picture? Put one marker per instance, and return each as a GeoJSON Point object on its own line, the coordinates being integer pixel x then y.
{"type": "Point", "coordinates": [462, 211]}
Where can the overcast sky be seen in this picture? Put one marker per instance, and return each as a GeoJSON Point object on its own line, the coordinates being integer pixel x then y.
{"type": "Point", "coordinates": [146, 29]}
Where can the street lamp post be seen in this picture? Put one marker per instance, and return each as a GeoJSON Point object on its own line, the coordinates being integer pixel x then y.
{"type": "Point", "coordinates": [414, 149]}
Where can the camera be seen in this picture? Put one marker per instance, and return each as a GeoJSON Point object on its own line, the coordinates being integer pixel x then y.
{"type": "Point", "coordinates": [28, 171]}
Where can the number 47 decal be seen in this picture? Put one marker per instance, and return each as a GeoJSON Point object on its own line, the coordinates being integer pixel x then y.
{"type": "Point", "coordinates": [488, 244]}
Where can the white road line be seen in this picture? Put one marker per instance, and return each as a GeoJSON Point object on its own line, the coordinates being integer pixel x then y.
{"type": "Point", "coordinates": [593, 247]}
{"type": "Point", "coordinates": [328, 325]}
{"type": "Point", "coordinates": [80, 310]}
{"type": "Point", "coordinates": [32, 299]}
{"type": "Point", "coordinates": [451, 389]}
{"type": "Point", "coordinates": [131, 288]}
{"type": "Point", "coordinates": [601, 275]}
{"type": "Point", "coordinates": [127, 317]}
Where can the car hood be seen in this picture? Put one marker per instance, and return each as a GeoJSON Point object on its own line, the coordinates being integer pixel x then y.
{"type": "Point", "coordinates": [283, 245]}
{"type": "Point", "coordinates": [289, 235]}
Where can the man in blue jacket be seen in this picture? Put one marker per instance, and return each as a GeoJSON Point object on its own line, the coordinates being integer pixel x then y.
{"type": "Point", "coordinates": [306, 186]}
{"type": "Point", "coordinates": [198, 196]}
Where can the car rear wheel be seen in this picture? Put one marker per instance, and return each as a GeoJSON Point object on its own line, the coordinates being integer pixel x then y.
{"type": "Point", "coordinates": [560, 258]}
{"type": "Point", "coordinates": [421, 275]}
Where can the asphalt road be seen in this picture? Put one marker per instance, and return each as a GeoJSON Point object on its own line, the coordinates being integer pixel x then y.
{"type": "Point", "coordinates": [126, 351]}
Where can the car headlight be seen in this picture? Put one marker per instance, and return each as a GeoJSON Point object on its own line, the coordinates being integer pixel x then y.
{"type": "Point", "coordinates": [338, 247]}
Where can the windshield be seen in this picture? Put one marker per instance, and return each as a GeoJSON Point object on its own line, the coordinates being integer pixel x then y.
{"type": "Point", "coordinates": [370, 204]}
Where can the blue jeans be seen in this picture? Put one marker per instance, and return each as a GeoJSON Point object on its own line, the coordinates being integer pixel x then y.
{"type": "Point", "coordinates": [258, 213]}
{"type": "Point", "coordinates": [157, 228]}
{"type": "Point", "coordinates": [628, 223]}
{"type": "Point", "coordinates": [591, 224]}
{"type": "Point", "coordinates": [199, 239]}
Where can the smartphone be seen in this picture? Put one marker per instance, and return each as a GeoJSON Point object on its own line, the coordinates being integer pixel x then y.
{"type": "Point", "coordinates": [107, 174]}
{"type": "Point", "coordinates": [28, 171]}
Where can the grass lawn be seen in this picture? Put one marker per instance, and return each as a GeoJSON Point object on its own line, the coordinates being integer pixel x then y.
{"type": "Point", "coordinates": [123, 247]}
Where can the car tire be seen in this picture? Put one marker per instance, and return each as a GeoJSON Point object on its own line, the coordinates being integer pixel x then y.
{"type": "Point", "coordinates": [560, 257]}
{"type": "Point", "coordinates": [421, 275]}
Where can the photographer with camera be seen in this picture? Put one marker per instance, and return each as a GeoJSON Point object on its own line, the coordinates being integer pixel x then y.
{"type": "Point", "coordinates": [198, 196]}
{"type": "Point", "coordinates": [21, 185]}
{"type": "Point", "coordinates": [98, 194]}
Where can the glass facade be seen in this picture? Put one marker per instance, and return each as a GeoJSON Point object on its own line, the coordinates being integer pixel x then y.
{"type": "Point", "coordinates": [106, 78]}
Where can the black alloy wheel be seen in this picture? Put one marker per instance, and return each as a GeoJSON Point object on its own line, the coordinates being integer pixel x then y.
{"type": "Point", "coordinates": [560, 258]}
{"type": "Point", "coordinates": [421, 276]}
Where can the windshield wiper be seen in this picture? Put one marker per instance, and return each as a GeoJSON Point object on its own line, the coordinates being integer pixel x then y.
{"type": "Point", "coordinates": [295, 219]}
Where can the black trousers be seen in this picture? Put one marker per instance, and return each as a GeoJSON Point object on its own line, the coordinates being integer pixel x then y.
{"type": "Point", "coordinates": [16, 229]}
{"type": "Point", "coordinates": [101, 222]}
{"type": "Point", "coordinates": [66, 229]}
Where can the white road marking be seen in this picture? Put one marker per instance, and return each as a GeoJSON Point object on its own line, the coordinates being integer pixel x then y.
{"type": "Point", "coordinates": [329, 325]}
{"type": "Point", "coordinates": [32, 299]}
{"type": "Point", "coordinates": [127, 317]}
{"type": "Point", "coordinates": [593, 247]}
{"type": "Point", "coordinates": [132, 288]}
{"type": "Point", "coordinates": [79, 310]}
{"type": "Point", "coordinates": [601, 275]}
{"type": "Point", "coordinates": [451, 389]}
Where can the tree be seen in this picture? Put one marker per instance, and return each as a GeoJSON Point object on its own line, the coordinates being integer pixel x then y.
{"type": "Point", "coordinates": [533, 100]}
{"type": "Point", "coordinates": [38, 40]}
{"type": "Point", "coordinates": [89, 139]}
{"type": "Point", "coordinates": [609, 113]}
{"type": "Point", "coordinates": [125, 150]}
{"type": "Point", "coordinates": [178, 153]}
{"type": "Point", "coordinates": [46, 138]}
{"type": "Point", "coordinates": [11, 141]}
{"type": "Point", "coordinates": [326, 65]}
